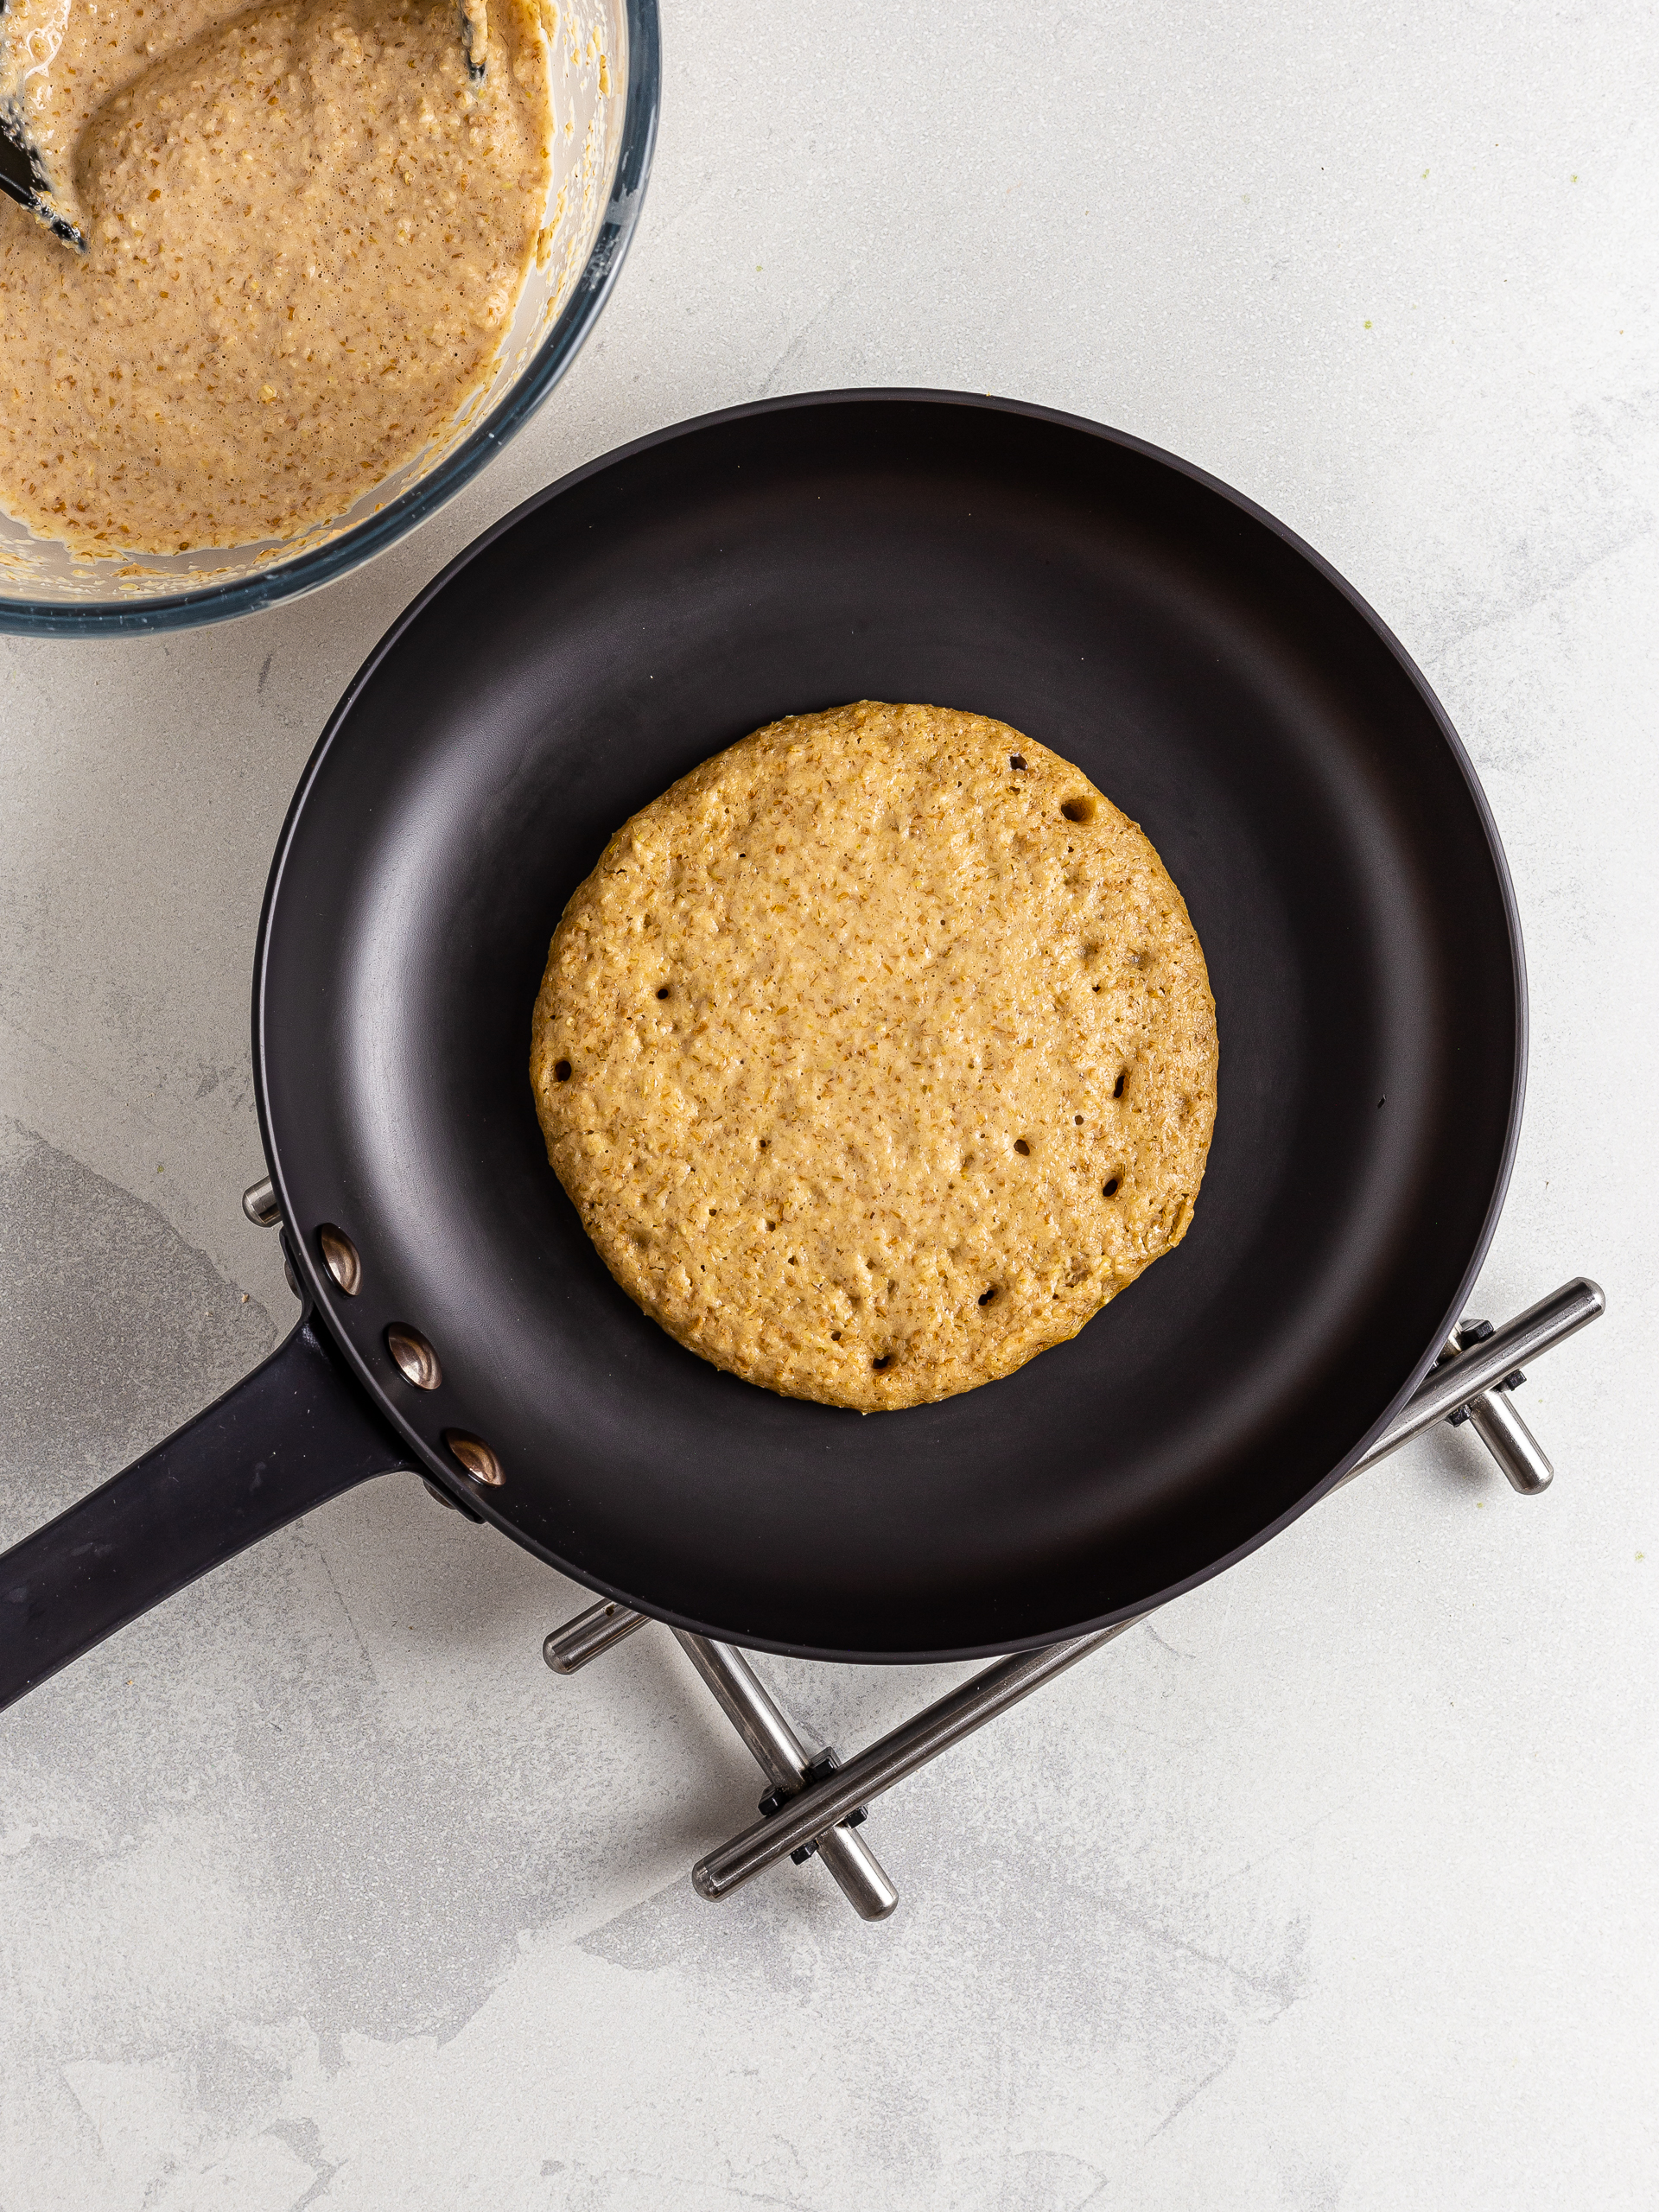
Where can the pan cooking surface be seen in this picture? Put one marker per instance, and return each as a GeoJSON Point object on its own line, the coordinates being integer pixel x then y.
{"type": "Point", "coordinates": [1211, 676]}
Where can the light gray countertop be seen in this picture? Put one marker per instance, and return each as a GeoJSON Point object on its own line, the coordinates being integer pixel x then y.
{"type": "Point", "coordinates": [1335, 1887]}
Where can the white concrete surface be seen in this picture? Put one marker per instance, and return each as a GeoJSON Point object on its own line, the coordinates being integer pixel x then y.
{"type": "Point", "coordinates": [1339, 1889]}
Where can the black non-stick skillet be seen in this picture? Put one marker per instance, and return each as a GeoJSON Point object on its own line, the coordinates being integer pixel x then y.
{"type": "Point", "coordinates": [1204, 669]}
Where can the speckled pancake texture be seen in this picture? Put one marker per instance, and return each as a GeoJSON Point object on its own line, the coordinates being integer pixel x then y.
{"type": "Point", "coordinates": [877, 1054]}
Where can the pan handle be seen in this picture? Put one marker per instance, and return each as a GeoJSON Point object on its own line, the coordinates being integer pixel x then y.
{"type": "Point", "coordinates": [297, 1431]}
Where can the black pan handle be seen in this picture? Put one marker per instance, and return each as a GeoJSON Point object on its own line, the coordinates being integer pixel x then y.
{"type": "Point", "coordinates": [297, 1431]}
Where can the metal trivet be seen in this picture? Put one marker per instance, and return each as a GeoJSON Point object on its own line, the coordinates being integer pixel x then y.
{"type": "Point", "coordinates": [817, 1802]}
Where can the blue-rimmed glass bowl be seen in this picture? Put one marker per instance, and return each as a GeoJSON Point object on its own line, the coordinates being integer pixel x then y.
{"type": "Point", "coordinates": [608, 72]}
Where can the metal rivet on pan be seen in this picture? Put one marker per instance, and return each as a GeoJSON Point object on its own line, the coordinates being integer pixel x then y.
{"type": "Point", "coordinates": [438, 1491]}
{"type": "Point", "coordinates": [475, 1456]}
{"type": "Point", "coordinates": [416, 1360]}
{"type": "Point", "coordinates": [340, 1257]}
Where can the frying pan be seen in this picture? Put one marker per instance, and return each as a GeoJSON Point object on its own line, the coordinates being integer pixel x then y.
{"type": "Point", "coordinates": [1211, 674]}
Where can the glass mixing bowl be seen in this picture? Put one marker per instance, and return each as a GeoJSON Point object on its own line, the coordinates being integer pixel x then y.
{"type": "Point", "coordinates": [607, 64]}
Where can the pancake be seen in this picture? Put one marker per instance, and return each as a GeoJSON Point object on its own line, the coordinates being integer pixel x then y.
{"type": "Point", "coordinates": [877, 1054]}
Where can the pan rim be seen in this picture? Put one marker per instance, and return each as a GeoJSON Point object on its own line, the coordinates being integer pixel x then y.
{"type": "Point", "coordinates": [317, 1292]}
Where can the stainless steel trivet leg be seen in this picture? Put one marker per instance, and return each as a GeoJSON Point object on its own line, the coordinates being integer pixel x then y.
{"type": "Point", "coordinates": [1480, 1366]}
{"type": "Point", "coordinates": [1470, 1377]}
{"type": "Point", "coordinates": [763, 1726]}
{"type": "Point", "coordinates": [590, 1635]}
{"type": "Point", "coordinates": [898, 1753]}
{"type": "Point", "coordinates": [791, 1767]}
{"type": "Point", "coordinates": [1497, 1423]}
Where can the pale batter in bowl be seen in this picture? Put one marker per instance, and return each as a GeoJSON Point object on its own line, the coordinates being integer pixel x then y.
{"type": "Point", "coordinates": [308, 230]}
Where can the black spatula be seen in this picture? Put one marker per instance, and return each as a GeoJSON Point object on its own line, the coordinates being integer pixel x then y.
{"type": "Point", "coordinates": [24, 180]}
